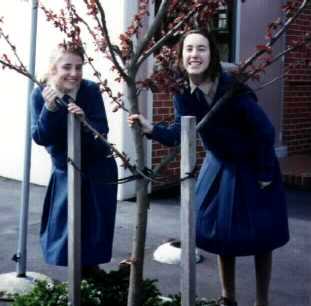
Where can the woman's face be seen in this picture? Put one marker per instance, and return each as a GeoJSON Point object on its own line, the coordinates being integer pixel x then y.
{"type": "Point", "coordinates": [196, 56]}
{"type": "Point", "coordinates": [67, 73]}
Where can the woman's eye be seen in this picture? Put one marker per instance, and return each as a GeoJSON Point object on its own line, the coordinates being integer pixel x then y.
{"type": "Point", "coordinates": [66, 67]}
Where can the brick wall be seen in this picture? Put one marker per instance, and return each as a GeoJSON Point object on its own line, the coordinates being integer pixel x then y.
{"type": "Point", "coordinates": [163, 111]}
{"type": "Point", "coordinates": [297, 90]}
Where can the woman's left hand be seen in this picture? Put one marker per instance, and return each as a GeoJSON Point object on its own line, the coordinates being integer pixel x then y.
{"type": "Point", "coordinates": [75, 109]}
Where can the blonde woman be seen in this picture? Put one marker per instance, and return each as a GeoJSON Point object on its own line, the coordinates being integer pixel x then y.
{"type": "Point", "coordinates": [49, 129]}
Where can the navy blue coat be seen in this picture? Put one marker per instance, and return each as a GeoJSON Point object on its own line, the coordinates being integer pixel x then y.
{"type": "Point", "coordinates": [99, 199]}
{"type": "Point", "coordinates": [234, 216]}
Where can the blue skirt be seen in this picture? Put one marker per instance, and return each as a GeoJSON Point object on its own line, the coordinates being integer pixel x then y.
{"type": "Point", "coordinates": [234, 216]}
{"type": "Point", "coordinates": [98, 210]}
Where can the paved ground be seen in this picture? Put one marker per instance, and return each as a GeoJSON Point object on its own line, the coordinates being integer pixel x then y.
{"type": "Point", "coordinates": [296, 170]}
{"type": "Point", "coordinates": [291, 281]}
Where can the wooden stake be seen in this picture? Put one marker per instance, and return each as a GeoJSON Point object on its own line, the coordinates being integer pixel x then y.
{"type": "Point", "coordinates": [74, 210]}
{"type": "Point", "coordinates": [187, 220]}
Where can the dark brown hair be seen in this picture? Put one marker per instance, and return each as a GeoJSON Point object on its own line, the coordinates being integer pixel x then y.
{"type": "Point", "coordinates": [214, 67]}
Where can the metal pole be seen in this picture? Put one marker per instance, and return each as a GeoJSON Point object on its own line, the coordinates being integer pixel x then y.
{"type": "Point", "coordinates": [21, 253]}
{"type": "Point", "coordinates": [74, 210]}
{"type": "Point", "coordinates": [236, 37]}
{"type": "Point", "coordinates": [187, 218]}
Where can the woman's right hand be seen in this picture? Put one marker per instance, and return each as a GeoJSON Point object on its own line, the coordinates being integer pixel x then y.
{"type": "Point", "coordinates": [49, 95]}
{"type": "Point", "coordinates": [145, 124]}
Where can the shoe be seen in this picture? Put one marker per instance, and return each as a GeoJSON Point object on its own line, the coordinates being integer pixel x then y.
{"type": "Point", "coordinates": [223, 301]}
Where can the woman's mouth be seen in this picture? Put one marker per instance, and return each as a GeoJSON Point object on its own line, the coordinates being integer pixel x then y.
{"type": "Point", "coordinates": [72, 81]}
{"type": "Point", "coordinates": [194, 63]}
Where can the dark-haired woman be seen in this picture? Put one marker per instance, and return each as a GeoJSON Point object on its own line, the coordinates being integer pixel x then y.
{"type": "Point", "coordinates": [240, 202]}
{"type": "Point", "coordinates": [49, 129]}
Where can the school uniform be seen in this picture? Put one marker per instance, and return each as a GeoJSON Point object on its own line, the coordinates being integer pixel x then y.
{"type": "Point", "coordinates": [234, 215]}
{"type": "Point", "coordinates": [98, 169]}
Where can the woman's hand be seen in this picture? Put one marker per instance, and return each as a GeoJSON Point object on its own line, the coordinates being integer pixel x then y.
{"type": "Point", "coordinates": [264, 184]}
{"type": "Point", "coordinates": [49, 95]}
{"type": "Point", "coordinates": [75, 109]}
{"type": "Point", "coordinates": [146, 125]}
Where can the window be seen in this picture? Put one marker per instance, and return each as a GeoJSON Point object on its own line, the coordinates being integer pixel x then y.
{"type": "Point", "coordinates": [222, 26]}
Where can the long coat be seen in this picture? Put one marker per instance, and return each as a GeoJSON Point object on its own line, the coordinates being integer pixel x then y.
{"type": "Point", "coordinates": [234, 216]}
{"type": "Point", "coordinates": [98, 168]}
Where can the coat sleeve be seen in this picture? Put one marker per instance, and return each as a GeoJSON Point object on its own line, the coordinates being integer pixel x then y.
{"type": "Point", "coordinates": [45, 125]}
{"type": "Point", "coordinates": [256, 141]}
{"type": "Point", "coordinates": [169, 135]}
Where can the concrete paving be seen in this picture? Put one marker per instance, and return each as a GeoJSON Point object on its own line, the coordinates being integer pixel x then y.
{"type": "Point", "coordinates": [291, 279]}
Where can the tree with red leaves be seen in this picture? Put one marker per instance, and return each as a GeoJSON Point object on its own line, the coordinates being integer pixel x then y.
{"type": "Point", "coordinates": [136, 45]}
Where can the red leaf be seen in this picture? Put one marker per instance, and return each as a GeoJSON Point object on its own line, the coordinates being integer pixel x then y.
{"type": "Point", "coordinates": [264, 48]}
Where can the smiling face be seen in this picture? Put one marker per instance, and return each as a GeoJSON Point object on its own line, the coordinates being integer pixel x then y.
{"type": "Point", "coordinates": [196, 56]}
{"type": "Point", "coordinates": [67, 72]}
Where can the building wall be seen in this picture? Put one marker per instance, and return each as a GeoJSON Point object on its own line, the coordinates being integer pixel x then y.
{"type": "Point", "coordinates": [255, 16]}
{"type": "Point", "coordinates": [13, 94]}
{"type": "Point", "coordinates": [297, 90]}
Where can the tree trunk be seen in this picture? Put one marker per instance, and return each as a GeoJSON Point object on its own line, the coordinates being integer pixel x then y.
{"type": "Point", "coordinates": [138, 247]}
{"type": "Point", "coordinates": [142, 202]}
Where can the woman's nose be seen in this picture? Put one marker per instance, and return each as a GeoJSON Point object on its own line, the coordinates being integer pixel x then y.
{"type": "Point", "coordinates": [194, 52]}
{"type": "Point", "coordinates": [74, 71]}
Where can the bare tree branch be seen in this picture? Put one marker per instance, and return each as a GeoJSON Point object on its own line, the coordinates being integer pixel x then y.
{"type": "Point", "coordinates": [91, 32]}
{"type": "Point", "coordinates": [109, 44]}
{"type": "Point", "coordinates": [277, 78]}
{"type": "Point", "coordinates": [13, 49]}
{"type": "Point", "coordinates": [166, 160]}
{"type": "Point", "coordinates": [98, 135]}
{"type": "Point", "coordinates": [276, 36]}
{"type": "Point", "coordinates": [20, 71]}
{"type": "Point", "coordinates": [304, 42]}
{"type": "Point", "coordinates": [218, 104]}
{"type": "Point", "coordinates": [21, 68]}
{"type": "Point", "coordinates": [151, 31]}
{"type": "Point", "coordinates": [97, 75]}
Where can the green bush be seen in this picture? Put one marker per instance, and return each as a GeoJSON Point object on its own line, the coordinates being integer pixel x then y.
{"type": "Point", "coordinates": [106, 289]}
{"type": "Point", "coordinates": [51, 294]}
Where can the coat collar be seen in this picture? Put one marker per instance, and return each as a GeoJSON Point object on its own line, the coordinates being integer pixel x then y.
{"type": "Point", "coordinates": [224, 82]}
{"type": "Point", "coordinates": [73, 93]}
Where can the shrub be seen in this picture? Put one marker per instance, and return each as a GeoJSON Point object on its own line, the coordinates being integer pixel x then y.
{"type": "Point", "coordinates": [106, 289]}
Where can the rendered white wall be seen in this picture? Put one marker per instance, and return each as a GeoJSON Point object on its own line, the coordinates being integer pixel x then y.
{"type": "Point", "coordinates": [13, 93]}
